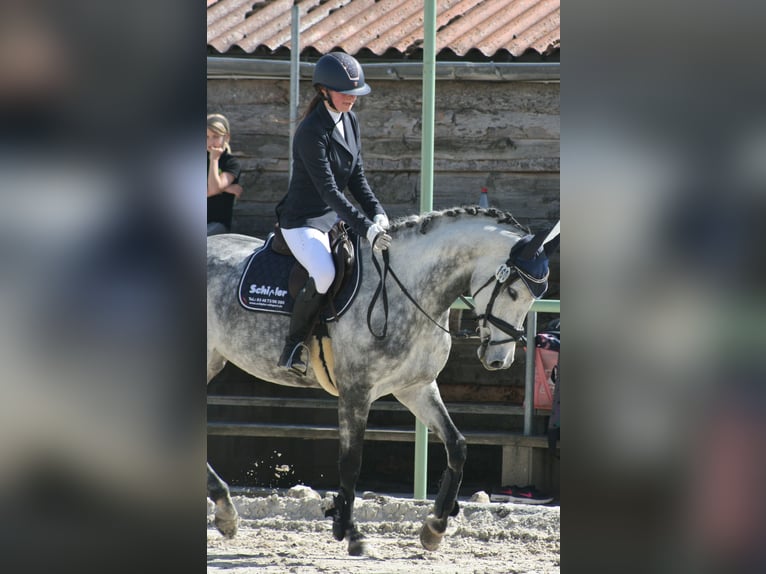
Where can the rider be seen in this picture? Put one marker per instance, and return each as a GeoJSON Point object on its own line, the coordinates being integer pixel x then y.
{"type": "Point", "coordinates": [327, 159]}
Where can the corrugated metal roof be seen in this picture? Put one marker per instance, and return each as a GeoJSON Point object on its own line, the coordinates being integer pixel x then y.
{"type": "Point", "coordinates": [489, 26]}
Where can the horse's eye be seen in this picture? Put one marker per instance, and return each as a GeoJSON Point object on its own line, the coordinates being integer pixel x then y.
{"type": "Point", "coordinates": [512, 292]}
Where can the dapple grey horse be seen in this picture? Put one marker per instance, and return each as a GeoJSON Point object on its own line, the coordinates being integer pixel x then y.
{"type": "Point", "coordinates": [436, 257]}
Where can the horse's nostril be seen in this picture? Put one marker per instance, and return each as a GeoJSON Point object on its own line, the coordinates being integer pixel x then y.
{"type": "Point", "coordinates": [496, 364]}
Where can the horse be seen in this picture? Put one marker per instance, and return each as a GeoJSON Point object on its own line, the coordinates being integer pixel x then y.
{"type": "Point", "coordinates": [395, 347]}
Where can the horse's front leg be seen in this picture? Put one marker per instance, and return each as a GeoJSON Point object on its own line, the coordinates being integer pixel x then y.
{"type": "Point", "coordinates": [352, 421]}
{"type": "Point", "coordinates": [226, 517]}
{"type": "Point", "coordinates": [425, 402]}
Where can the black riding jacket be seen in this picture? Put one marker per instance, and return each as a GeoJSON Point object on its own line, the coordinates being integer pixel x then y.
{"type": "Point", "coordinates": [324, 164]}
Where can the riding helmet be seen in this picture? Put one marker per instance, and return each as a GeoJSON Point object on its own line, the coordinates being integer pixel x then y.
{"type": "Point", "coordinates": [341, 73]}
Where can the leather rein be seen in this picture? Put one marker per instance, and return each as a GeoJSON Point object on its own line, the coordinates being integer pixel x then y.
{"type": "Point", "coordinates": [381, 290]}
{"type": "Point", "coordinates": [505, 272]}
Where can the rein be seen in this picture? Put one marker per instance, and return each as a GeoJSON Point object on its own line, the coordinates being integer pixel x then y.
{"type": "Point", "coordinates": [505, 272]}
{"type": "Point", "coordinates": [381, 290]}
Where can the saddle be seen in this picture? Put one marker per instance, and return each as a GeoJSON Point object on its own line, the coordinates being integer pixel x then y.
{"type": "Point", "coordinates": [272, 278]}
{"type": "Point", "coordinates": [343, 256]}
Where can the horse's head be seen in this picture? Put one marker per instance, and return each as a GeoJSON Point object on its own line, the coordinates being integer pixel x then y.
{"type": "Point", "coordinates": [504, 294]}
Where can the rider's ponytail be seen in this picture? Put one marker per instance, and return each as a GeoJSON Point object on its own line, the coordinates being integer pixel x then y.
{"type": "Point", "coordinates": [318, 98]}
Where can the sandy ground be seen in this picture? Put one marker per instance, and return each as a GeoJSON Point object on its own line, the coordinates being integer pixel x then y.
{"type": "Point", "coordinates": [287, 533]}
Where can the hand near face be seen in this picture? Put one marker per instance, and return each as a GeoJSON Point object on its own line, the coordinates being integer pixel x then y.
{"type": "Point", "coordinates": [215, 152]}
{"type": "Point", "coordinates": [216, 144]}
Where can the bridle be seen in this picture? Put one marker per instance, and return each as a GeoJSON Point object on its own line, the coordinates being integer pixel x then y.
{"type": "Point", "coordinates": [505, 274]}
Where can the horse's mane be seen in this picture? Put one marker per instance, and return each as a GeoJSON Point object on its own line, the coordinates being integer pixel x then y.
{"type": "Point", "coordinates": [424, 222]}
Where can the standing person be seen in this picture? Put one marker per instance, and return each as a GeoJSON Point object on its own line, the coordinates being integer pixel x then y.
{"type": "Point", "coordinates": [222, 176]}
{"type": "Point", "coordinates": [326, 160]}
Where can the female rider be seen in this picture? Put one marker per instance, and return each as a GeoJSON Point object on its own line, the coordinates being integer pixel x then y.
{"type": "Point", "coordinates": [326, 160]}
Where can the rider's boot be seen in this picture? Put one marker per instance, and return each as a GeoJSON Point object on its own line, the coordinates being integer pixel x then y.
{"type": "Point", "coordinates": [307, 305]}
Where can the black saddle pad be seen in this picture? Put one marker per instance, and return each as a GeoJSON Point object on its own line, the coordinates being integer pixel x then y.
{"type": "Point", "coordinates": [263, 285]}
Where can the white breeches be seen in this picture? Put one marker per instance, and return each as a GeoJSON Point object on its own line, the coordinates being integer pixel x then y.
{"type": "Point", "coordinates": [311, 248]}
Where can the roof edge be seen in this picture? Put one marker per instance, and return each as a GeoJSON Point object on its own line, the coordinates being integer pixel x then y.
{"type": "Point", "coordinates": [226, 67]}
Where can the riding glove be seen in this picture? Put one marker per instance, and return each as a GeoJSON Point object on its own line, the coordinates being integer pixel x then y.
{"type": "Point", "coordinates": [381, 219]}
{"type": "Point", "coordinates": [378, 238]}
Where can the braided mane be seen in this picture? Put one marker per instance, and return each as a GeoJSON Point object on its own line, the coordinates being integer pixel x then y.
{"type": "Point", "coordinates": [424, 222]}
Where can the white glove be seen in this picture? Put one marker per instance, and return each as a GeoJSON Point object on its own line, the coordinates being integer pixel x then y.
{"type": "Point", "coordinates": [378, 238]}
{"type": "Point", "coordinates": [381, 219]}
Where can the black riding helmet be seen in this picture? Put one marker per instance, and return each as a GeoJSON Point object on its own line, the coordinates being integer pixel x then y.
{"type": "Point", "coordinates": [340, 73]}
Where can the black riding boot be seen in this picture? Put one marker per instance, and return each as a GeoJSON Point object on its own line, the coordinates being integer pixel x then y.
{"type": "Point", "coordinates": [307, 305]}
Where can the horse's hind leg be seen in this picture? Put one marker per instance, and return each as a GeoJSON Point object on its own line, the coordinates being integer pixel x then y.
{"type": "Point", "coordinates": [352, 421]}
{"type": "Point", "coordinates": [425, 403]}
{"type": "Point", "coordinates": [226, 517]}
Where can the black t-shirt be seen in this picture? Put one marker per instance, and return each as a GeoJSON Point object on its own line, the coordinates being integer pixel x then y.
{"type": "Point", "coordinates": [221, 206]}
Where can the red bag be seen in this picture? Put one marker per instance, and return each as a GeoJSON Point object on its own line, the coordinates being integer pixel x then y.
{"type": "Point", "coordinates": [545, 360]}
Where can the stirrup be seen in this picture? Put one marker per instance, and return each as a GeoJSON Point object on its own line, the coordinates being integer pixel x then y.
{"type": "Point", "coordinates": [298, 367]}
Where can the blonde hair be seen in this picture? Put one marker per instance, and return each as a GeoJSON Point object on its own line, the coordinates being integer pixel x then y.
{"type": "Point", "coordinates": [218, 124]}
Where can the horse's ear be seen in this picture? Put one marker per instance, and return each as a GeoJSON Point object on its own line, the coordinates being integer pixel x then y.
{"type": "Point", "coordinates": [552, 245]}
{"type": "Point", "coordinates": [534, 244]}
{"type": "Point", "coordinates": [549, 237]}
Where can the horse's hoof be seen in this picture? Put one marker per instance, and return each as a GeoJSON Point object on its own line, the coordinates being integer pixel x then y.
{"type": "Point", "coordinates": [227, 526]}
{"type": "Point", "coordinates": [356, 548]}
{"type": "Point", "coordinates": [430, 538]}
{"type": "Point", "coordinates": [226, 517]}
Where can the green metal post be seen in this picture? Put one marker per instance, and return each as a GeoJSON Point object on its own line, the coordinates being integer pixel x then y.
{"type": "Point", "coordinates": [426, 198]}
{"type": "Point", "coordinates": [429, 97]}
{"type": "Point", "coordinates": [421, 460]}
{"type": "Point", "coordinates": [295, 49]}
{"type": "Point", "coordinates": [529, 379]}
